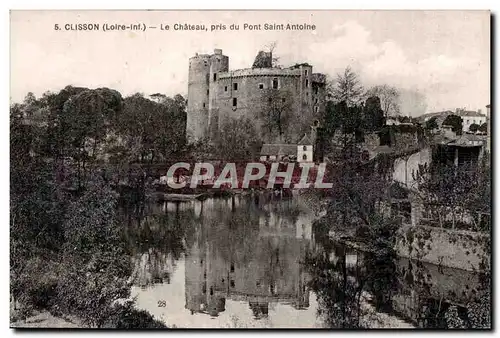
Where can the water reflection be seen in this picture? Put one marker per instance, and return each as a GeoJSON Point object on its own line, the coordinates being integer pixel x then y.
{"type": "Point", "coordinates": [246, 250]}
{"type": "Point", "coordinates": [351, 283]}
{"type": "Point", "coordinates": [258, 261]}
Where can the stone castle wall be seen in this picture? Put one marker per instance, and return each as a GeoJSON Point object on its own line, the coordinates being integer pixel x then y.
{"type": "Point", "coordinates": [212, 95]}
{"type": "Point", "coordinates": [466, 250]}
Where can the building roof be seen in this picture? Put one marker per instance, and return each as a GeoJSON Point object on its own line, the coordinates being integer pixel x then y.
{"type": "Point", "coordinates": [441, 139]}
{"type": "Point", "coordinates": [305, 140]}
{"type": "Point", "coordinates": [269, 149]}
{"type": "Point", "coordinates": [464, 140]}
{"type": "Point", "coordinates": [468, 140]}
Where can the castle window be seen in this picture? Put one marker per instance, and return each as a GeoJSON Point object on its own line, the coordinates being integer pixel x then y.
{"type": "Point", "coordinates": [305, 72]}
{"type": "Point", "coordinates": [316, 109]}
{"type": "Point", "coordinates": [304, 157]}
{"type": "Point", "coordinates": [275, 83]}
{"type": "Point", "coordinates": [232, 267]}
{"type": "Point", "coordinates": [316, 101]}
{"type": "Point", "coordinates": [304, 148]}
{"type": "Point", "coordinates": [270, 99]}
{"type": "Point", "coordinates": [283, 100]}
{"type": "Point", "coordinates": [215, 76]}
{"type": "Point", "coordinates": [225, 88]}
{"type": "Point", "coordinates": [232, 283]}
{"type": "Point", "coordinates": [261, 86]}
{"type": "Point", "coordinates": [307, 83]}
{"type": "Point", "coordinates": [203, 104]}
{"type": "Point", "coordinates": [235, 102]}
{"type": "Point", "coordinates": [316, 90]}
{"type": "Point", "coordinates": [235, 86]}
{"type": "Point", "coordinates": [208, 91]}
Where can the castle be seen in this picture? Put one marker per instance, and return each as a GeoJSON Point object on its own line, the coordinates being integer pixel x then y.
{"type": "Point", "coordinates": [215, 94]}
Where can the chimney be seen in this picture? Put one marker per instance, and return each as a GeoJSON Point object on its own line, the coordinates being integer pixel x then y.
{"type": "Point", "coordinates": [217, 51]}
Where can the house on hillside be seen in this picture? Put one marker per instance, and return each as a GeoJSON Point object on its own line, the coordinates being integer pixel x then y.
{"type": "Point", "coordinates": [471, 117]}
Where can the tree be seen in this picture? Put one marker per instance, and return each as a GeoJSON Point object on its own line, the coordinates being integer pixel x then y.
{"type": "Point", "coordinates": [447, 190]}
{"type": "Point", "coordinates": [455, 121]}
{"type": "Point", "coordinates": [389, 98]}
{"type": "Point", "coordinates": [265, 58]}
{"type": "Point", "coordinates": [274, 59]}
{"type": "Point", "coordinates": [276, 111]}
{"type": "Point", "coordinates": [474, 127]}
{"type": "Point", "coordinates": [373, 114]}
{"type": "Point", "coordinates": [237, 140]}
{"type": "Point", "coordinates": [347, 88]}
{"type": "Point", "coordinates": [431, 124]}
{"type": "Point", "coordinates": [86, 118]}
{"type": "Point", "coordinates": [151, 130]}
{"type": "Point", "coordinates": [484, 128]}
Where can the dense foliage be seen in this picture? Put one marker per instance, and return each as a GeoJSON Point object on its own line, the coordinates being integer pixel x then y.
{"type": "Point", "coordinates": [68, 255]}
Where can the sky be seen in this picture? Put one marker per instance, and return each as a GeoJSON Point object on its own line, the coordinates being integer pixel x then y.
{"type": "Point", "coordinates": [437, 59]}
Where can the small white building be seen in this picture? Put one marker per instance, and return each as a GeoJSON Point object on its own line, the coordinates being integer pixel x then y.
{"type": "Point", "coordinates": [391, 121]}
{"type": "Point", "coordinates": [470, 120]}
{"type": "Point", "coordinates": [305, 150]}
{"type": "Point", "coordinates": [470, 117]}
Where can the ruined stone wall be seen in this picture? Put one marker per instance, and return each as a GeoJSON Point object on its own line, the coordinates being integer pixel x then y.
{"type": "Point", "coordinates": [466, 250]}
{"type": "Point", "coordinates": [407, 166]}
{"type": "Point", "coordinates": [211, 93]}
{"type": "Point", "coordinates": [251, 97]}
{"type": "Point", "coordinates": [251, 100]}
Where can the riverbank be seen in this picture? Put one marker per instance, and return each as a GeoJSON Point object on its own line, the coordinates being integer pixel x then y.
{"type": "Point", "coordinates": [45, 320]}
{"type": "Point", "coordinates": [458, 249]}
{"type": "Point", "coordinates": [372, 319]}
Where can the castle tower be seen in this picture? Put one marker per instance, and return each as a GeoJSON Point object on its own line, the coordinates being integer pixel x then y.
{"type": "Point", "coordinates": [198, 96]}
{"type": "Point", "coordinates": [218, 63]}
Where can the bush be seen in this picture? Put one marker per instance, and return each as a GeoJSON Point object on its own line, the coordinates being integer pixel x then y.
{"type": "Point", "coordinates": [96, 267]}
{"type": "Point", "coordinates": [125, 316]}
{"type": "Point", "coordinates": [35, 287]}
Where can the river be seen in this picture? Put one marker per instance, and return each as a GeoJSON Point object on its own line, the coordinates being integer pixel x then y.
{"type": "Point", "coordinates": [258, 261]}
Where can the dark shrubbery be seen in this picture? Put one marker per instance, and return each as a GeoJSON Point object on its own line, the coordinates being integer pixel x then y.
{"type": "Point", "coordinates": [91, 271]}
{"type": "Point", "coordinates": [125, 316]}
